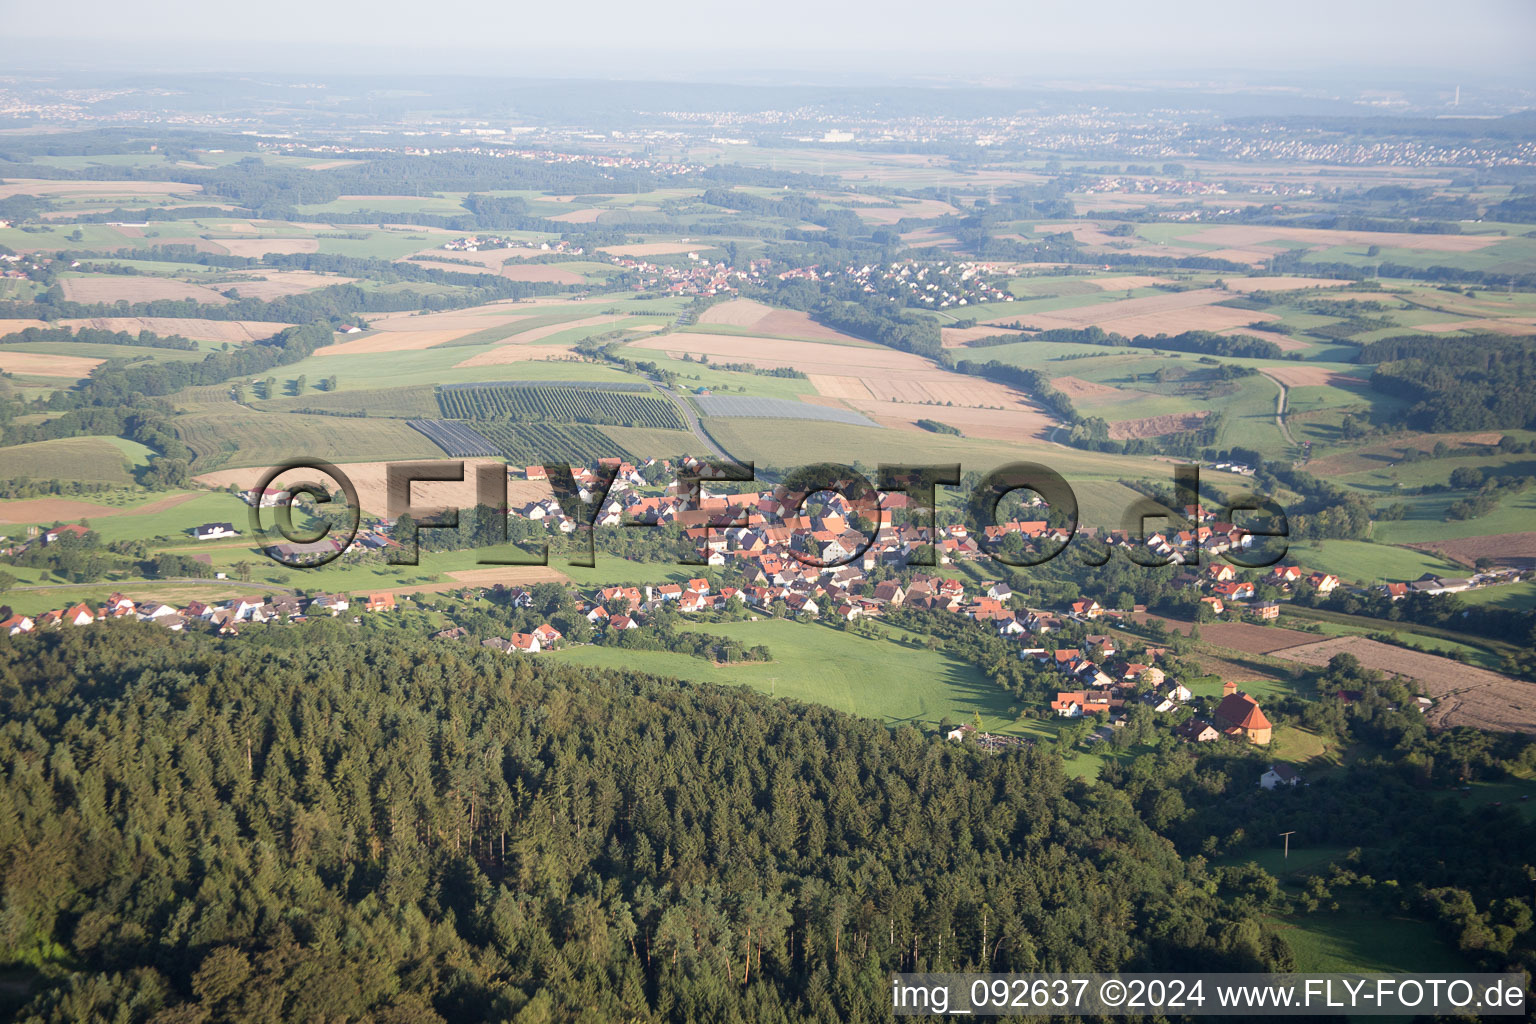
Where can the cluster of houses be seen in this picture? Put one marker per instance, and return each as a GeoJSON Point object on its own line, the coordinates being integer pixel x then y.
{"type": "Point", "coordinates": [224, 617]}
{"type": "Point", "coordinates": [542, 637]}
{"type": "Point", "coordinates": [917, 283]}
{"type": "Point", "coordinates": [696, 276]}
{"type": "Point", "coordinates": [1237, 716]}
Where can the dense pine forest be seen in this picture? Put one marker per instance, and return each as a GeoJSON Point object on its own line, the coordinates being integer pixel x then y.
{"type": "Point", "coordinates": [314, 825]}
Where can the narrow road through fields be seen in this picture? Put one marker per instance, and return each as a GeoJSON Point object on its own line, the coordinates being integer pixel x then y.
{"type": "Point", "coordinates": [1281, 401]}
{"type": "Point", "coordinates": [693, 422]}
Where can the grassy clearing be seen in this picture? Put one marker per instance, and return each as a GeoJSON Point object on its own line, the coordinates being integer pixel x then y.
{"type": "Point", "coordinates": [1514, 597]}
{"type": "Point", "coordinates": [1359, 561]}
{"type": "Point", "coordinates": [1366, 939]}
{"type": "Point", "coordinates": [884, 679]}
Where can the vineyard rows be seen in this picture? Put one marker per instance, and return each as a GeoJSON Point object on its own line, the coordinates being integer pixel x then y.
{"type": "Point", "coordinates": [559, 404]}
{"type": "Point", "coordinates": [457, 439]}
{"type": "Point", "coordinates": [529, 443]}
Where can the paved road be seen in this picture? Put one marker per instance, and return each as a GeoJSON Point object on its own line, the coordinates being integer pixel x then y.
{"type": "Point", "coordinates": [693, 422]}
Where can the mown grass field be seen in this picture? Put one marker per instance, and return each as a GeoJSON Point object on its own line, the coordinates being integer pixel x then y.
{"type": "Point", "coordinates": [227, 440]}
{"type": "Point", "coordinates": [1367, 940]}
{"type": "Point", "coordinates": [1515, 596]}
{"type": "Point", "coordinates": [1359, 561]}
{"type": "Point", "coordinates": [417, 402]}
{"type": "Point", "coordinates": [819, 664]}
{"type": "Point", "coordinates": [87, 459]}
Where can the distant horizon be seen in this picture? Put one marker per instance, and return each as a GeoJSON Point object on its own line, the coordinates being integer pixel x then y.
{"type": "Point", "coordinates": [899, 40]}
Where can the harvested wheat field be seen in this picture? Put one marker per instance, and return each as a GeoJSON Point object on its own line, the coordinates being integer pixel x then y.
{"type": "Point", "coordinates": [921, 209]}
{"type": "Point", "coordinates": [839, 388]}
{"type": "Point", "coordinates": [1512, 326]}
{"type": "Point", "coordinates": [1284, 284]}
{"type": "Point", "coordinates": [502, 354]}
{"type": "Point", "coordinates": [535, 333]}
{"type": "Point", "coordinates": [942, 389]}
{"type": "Point", "coordinates": [218, 331]}
{"type": "Point", "coordinates": [930, 238]}
{"type": "Point", "coordinates": [1253, 255]}
{"type": "Point", "coordinates": [1171, 313]}
{"type": "Point", "coordinates": [1463, 695]}
{"type": "Point", "coordinates": [550, 272]}
{"type": "Point", "coordinates": [276, 284]}
{"type": "Point", "coordinates": [133, 288]}
{"type": "Point", "coordinates": [392, 341]}
{"type": "Point", "coordinates": [1117, 284]}
{"type": "Point", "coordinates": [653, 249]}
{"type": "Point", "coordinates": [258, 247]}
{"type": "Point", "coordinates": [1517, 549]}
{"type": "Point", "coordinates": [79, 189]}
{"type": "Point", "coordinates": [959, 337]}
{"type": "Point", "coordinates": [1008, 424]}
{"type": "Point", "coordinates": [477, 318]}
{"type": "Point", "coordinates": [1075, 387]}
{"type": "Point", "coordinates": [1155, 426]}
{"type": "Point", "coordinates": [489, 259]}
{"type": "Point", "coordinates": [584, 216]}
{"type": "Point", "coordinates": [372, 490]}
{"type": "Point", "coordinates": [1106, 313]}
{"type": "Point", "coordinates": [1244, 235]}
{"type": "Point", "coordinates": [46, 364]}
{"type": "Point", "coordinates": [1299, 375]}
{"type": "Point", "coordinates": [9, 327]}
{"type": "Point", "coordinates": [1093, 235]}
{"type": "Point", "coordinates": [51, 510]}
{"type": "Point", "coordinates": [807, 356]}
{"type": "Point", "coordinates": [779, 323]}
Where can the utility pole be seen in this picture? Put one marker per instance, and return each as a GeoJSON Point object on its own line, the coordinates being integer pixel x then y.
{"type": "Point", "coordinates": [1287, 837]}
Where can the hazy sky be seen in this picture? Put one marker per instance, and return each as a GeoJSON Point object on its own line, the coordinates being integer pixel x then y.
{"type": "Point", "coordinates": [678, 39]}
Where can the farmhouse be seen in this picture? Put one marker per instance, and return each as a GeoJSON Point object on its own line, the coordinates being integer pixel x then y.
{"type": "Point", "coordinates": [1279, 775]}
{"type": "Point", "coordinates": [79, 615]}
{"type": "Point", "coordinates": [72, 530]}
{"type": "Point", "coordinates": [214, 531]}
{"type": "Point", "coordinates": [1196, 731]}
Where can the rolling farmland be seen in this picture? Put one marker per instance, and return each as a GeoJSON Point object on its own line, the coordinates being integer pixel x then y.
{"type": "Point", "coordinates": [560, 403]}
{"type": "Point", "coordinates": [732, 407]}
{"type": "Point", "coordinates": [457, 439]}
{"type": "Point", "coordinates": [528, 443]}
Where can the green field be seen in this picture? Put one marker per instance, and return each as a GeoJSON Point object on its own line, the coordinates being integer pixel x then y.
{"type": "Point", "coordinates": [562, 404]}
{"type": "Point", "coordinates": [225, 440]}
{"type": "Point", "coordinates": [416, 402]}
{"type": "Point", "coordinates": [1359, 561]}
{"type": "Point", "coordinates": [1514, 596]}
{"type": "Point", "coordinates": [816, 663]}
{"type": "Point", "coordinates": [1366, 940]}
{"type": "Point", "coordinates": [89, 459]}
